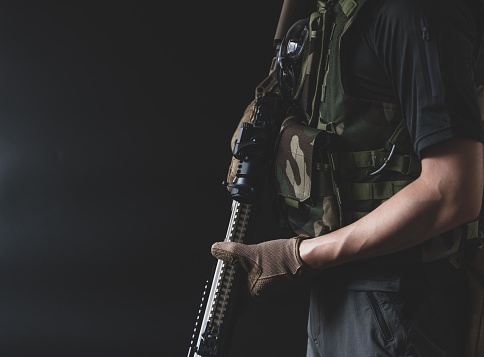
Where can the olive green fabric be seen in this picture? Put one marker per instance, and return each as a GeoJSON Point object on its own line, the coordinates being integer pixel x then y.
{"type": "Point", "coordinates": [339, 157]}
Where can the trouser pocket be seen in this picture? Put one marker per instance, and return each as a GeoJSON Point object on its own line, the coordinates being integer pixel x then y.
{"type": "Point", "coordinates": [360, 319]}
{"type": "Point", "coordinates": [387, 333]}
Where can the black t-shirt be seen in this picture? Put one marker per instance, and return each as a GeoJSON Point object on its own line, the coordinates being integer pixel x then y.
{"type": "Point", "coordinates": [420, 55]}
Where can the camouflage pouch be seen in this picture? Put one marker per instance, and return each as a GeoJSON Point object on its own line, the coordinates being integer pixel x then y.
{"type": "Point", "coordinates": [304, 175]}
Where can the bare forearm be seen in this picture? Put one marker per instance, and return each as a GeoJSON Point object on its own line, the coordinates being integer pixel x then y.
{"type": "Point", "coordinates": [397, 224]}
{"type": "Point", "coordinates": [433, 204]}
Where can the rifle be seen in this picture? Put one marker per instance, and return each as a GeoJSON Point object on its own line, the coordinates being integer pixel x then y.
{"type": "Point", "coordinates": [253, 148]}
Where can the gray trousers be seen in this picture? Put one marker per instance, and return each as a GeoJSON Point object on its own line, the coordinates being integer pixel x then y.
{"type": "Point", "coordinates": [386, 311]}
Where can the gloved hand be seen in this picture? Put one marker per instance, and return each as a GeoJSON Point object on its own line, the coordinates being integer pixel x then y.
{"type": "Point", "coordinates": [271, 266]}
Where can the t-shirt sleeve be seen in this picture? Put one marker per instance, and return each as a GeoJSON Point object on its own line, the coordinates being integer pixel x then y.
{"type": "Point", "coordinates": [427, 48]}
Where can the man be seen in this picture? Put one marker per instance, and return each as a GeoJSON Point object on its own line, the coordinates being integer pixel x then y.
{"type": "Point", "coordinates": [381, 179]}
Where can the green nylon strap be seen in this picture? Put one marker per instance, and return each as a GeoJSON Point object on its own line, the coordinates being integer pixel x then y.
{"type": "Point", "coordinates": [319, 166]}
{"type": "Point", "coordinates": [291, 202]}
{"type": "Point", "coordinates": [314, 27]}
{"type": "Point", "coordinates": [324, 188]}
{"type": "Point", "coordinates": [472, 230]}
{"type": "Point", "coordinates": [322, 64]}
{"type": "Point", "coordinates": [372, 190]}
{"type": "Point", "coordinates": [376, 158]}
{"type": "Point", "coordinates": [348, 6]}
{"type": "Point", "coordinates": [322, 5]}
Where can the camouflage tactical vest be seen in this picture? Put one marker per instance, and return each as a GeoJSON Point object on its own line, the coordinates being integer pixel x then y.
{"type": "Point", "coordinates": [339, 157]}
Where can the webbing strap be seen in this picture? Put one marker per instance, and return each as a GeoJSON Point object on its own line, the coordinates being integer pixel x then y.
{"type": "Point", "coordinates": [291, 202]}
{"type": "Point", "coordinates": [315, 32]}
{"type": "Point", "coordinates": [371, 191]}
{"type": "Point", "coordinates": [348, 6]}
{"type": "Point", "coordinates": [376, 158]}
{"type": "Point", "coordinates": [472, 230]}
{"type": "Point", "coordinates": [326, 27]}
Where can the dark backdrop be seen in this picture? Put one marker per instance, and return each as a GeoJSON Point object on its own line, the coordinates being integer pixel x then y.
{"type": "Point", "coordinates": [115, 122]}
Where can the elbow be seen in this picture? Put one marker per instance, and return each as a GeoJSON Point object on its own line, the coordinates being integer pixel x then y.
{"type": "Point", "coordinates": [453, 173]}
{"type": "Point", "coordinates": [457, 204]}
{"type": "Point", "coordinates": [467, 215]}
{"type": "Point", "coordinates": [466, 208]}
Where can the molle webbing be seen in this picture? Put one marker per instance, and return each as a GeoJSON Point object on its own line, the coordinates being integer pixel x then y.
{"type": "Point", "coordinates": [312, 82]}
{"type": "Point", "coordinates": [322, 186]}
{"type": "Point", "coordinates": [314, 66]}
{"type": "Point", "coordinates": [342, 15]}
{"type": "Point", "coordinates": [374, 159]}
{"type": "Point", "coordinates": [360, 191]}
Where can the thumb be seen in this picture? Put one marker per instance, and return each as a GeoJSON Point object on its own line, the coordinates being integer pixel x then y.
{"type": "Point", "coordinates": [225, 251]}
{"type": "Point", "coordinates": [240, 253]}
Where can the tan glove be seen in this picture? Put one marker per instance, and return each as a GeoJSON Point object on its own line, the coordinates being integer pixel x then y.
{"type": "Point", "coordinates": [235, 162]}
{"type": "Point", "coordinates": [271, 266]}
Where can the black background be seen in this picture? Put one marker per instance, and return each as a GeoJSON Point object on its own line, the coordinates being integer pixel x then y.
{"type": "Point", "coordinates": [115, 123]}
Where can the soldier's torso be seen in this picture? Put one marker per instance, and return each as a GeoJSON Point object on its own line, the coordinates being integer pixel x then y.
{"type": "Point", "coordinates": [340, 156]}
